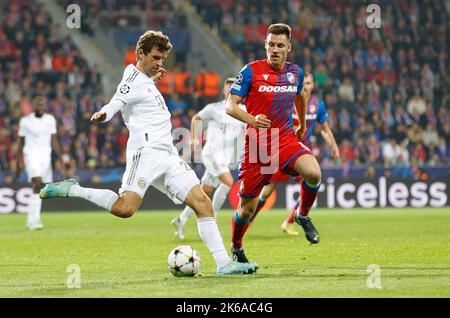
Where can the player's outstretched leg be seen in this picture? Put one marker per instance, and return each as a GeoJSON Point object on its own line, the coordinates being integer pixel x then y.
{"type": "Point", "coordinates": [288, 225]}
{"type": "Point", "coordinates": [57, 189]}
{"type": "Point", "coordinates": [308, 167]}
{"type": "Point", "coordinates": [103, 198]}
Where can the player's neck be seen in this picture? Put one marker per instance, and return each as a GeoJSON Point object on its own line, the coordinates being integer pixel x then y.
{"type": "Point", "coordinates": [141, 69]}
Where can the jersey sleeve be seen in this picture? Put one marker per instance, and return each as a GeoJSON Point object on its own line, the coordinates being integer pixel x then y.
{"type": "Point", "coordinates": [243, 81]}
{"type": "Point", "coordinates": [52, 126]}
{"type": "Point", "coordinates": [128, 92]}
{"type": "Point", "coordinates": [22, 128]}
{"type": "Point", "coordinates": [301, 77]}
{"type": "Point", "coordinates": [207, 112]}
{"type": "Point", "coordinates": [322, 113]}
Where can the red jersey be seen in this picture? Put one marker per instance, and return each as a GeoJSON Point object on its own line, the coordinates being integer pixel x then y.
{"type": "Point", "coordinates": [272, 93]}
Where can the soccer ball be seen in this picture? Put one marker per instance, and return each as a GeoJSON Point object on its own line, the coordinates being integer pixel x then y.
{"type": "Point", "coordinates": [184, 261]}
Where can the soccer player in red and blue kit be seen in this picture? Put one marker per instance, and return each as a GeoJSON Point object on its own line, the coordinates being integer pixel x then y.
{"type": "Point", "coordinates": [271, 87]}
{"type": "Point", "coordinates": [316, 113]}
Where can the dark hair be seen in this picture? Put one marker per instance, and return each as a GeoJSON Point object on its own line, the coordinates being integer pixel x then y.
{"type": "Point", "coordinates": [280, 28]}
{"type": "Point", "coordinates": [38, 99]}
{"type": "Point", "coordinates": [151, 39]}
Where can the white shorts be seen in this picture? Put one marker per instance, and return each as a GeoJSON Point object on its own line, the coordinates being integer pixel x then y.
{"type": "Point", "coordinates": [39, 167]}
{"type": "Point", "coordinates": [210, 179]}
{"type": "Point", "coordinates": [215, 166]}
{"type": "Point", "coordinates": [161, 169]}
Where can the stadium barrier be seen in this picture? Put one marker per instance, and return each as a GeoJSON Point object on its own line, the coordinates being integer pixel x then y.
{"type": "Point", "coordinates": [381, 192]}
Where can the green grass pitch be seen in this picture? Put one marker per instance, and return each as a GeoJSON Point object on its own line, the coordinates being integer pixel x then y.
{"type": "Point", "coordinates": [127, 257]}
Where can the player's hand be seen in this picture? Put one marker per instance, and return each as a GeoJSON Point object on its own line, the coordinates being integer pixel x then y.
{"type": "Point", "coordinates": [98, 117]}
{"type": "Point", "coordinates": [261, 121]}
{"type": "Point", "coordinates": [335, 152]}
{"type": "Point", "coordinates": [300, 131]}
{"type": "Point", "coordinates": [162, 71]}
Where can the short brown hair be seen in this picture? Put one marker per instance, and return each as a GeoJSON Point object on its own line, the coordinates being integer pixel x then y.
{"type": "Point", "coordinates": [153, 39]}
{"type": "Point", "coordinates": [280, 28]}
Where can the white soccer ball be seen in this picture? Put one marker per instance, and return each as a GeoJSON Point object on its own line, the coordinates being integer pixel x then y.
{"type": "Point", "coordinates": [184, 261]}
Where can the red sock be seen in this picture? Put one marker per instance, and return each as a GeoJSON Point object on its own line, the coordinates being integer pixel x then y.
{"type": "Point", "coordinates": [238, 229]}
{"type": "Point", "coordinates": [308, 195]}
{"type": "Point", "coordinates": [290, 218]}
{"type": "Point", "coordinates": [258, 208]}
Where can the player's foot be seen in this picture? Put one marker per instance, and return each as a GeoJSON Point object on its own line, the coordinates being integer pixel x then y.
{"type": "Point", "coordinates": [288, 228]}
{"type": "Point", "coordinates": [310, 231]}
{"type": "Point", "coordinates": [238, 255]}
{"type": "Point", "coordinates": [236, 268]}
{"type": "Point", "coordinates": [35, 226]}
{"type": "Point", "coordinates": [179, 228]}
{"type": "Point", "coordinates": [57, 189]}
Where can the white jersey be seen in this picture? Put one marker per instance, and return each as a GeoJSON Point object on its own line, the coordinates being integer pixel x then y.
{"type": "Point", "coordinates": [144, 112]}
{"type": "Point", "coordinates": [37, 132]}
{"type": "Point", "coordinates": [223, 130]}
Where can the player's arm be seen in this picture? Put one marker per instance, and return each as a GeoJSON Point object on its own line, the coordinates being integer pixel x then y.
{"type": "Point", "coordinates": [234, 110]}
{"type": "Point", "coordinates": [300, 105]}
{"type": "Point", "coordinates": [55, 145]}
{"type": "Point", "coordinates": [195, 124]}
{"type": "Point", "coordinates": [20, 156]}
{"type": "Point", "coordinates": [108, 111]}
{"type": "Point", "coordinates": [327, 134]}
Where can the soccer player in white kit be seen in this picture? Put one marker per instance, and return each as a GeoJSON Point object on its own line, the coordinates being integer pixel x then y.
{"type": "Point", "coordinates": [224, 136]}
{"type": "Point", "coordinates": [152, 159]}
{"type": "Point", "coordinates": [37, 136]}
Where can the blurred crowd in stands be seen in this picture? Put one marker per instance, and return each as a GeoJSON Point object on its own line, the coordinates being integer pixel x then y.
{"type": "Point", "coordinates": [386, 89]}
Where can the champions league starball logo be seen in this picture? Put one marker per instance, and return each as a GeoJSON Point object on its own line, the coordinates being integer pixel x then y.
{"type": "Point", "coordinates": [124, 89]}
{"type": "Point", "coordinates": [239, 78]}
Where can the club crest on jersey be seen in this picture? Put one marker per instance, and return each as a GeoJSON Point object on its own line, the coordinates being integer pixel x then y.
{"type": "Point", "coordinates": [141, 183]}
{"type": "Point", "coordinates": [124, 89]}
{"type": "Point", "coordinates": [312, 108]}
{"type": "Point", "coordinates": [290, 77]}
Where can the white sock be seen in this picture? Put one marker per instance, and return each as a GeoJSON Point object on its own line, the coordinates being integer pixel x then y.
{"type": "Point", "coordinates": [220, 195]}
{"type": "Point", "coordinates": [34, 209]}
{"type": "Point", "coordinates": [185, 215]}
{"type": "Point", "coordinates": [210, 235]}
{"type": "Point", "coordinates": [102, 197]}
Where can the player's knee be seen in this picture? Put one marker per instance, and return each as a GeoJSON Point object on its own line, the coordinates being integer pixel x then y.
{"type": "Point", "coordinates": [247, 212]}
{"type": "Point", "coordinates": [122, 210]}
{"type": "Point", "coordinates": [37, 187]}
{"type": "Point", "coordinates": [203, 205]}
{"type": "Point", "coordinates": [125, 212]}
{"type": "Point", "coordinates": [314, 176]}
